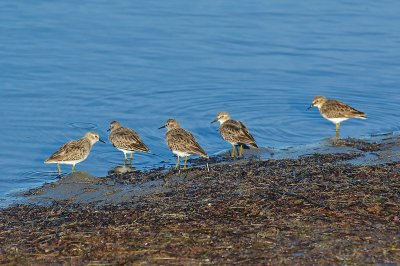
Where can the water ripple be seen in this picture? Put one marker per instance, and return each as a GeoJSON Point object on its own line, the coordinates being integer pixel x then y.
{"type": "Point", "coordinates": [64, 75]}
{"type": "Point", "coordinates": [83, 125]}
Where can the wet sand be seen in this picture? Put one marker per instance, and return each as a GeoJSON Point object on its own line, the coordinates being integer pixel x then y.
{"type": "Point", "coordinates": [337, 207]}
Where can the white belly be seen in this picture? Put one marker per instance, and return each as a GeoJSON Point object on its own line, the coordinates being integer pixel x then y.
{"type": "Point", "coordinates": [70, 162]}
{"type": "Point", "coordinates": [336, 120]}
{"type": "Point", "coordinates": [125, 151]}
{"type": "Point", "coordinates": [181, 153]}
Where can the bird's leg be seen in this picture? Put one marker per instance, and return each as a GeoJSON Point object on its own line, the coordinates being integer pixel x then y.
{"type": "Point", "coordinates": [337, 127]}
{"type": "Point", "coordinates": [177, 163]}
{"type": "Point", "coordinates": [125, 158]}
{"type": "Point", "coordinates": [73, 168]}
{"type": "Point", "coordinates": [184, 165]}
{"type": "Point", "coordinates": [233, 151]}
{"type": "Point", "coordinates": [241, 150]}
{"type": "Point", "coordinates": [59, 169]}
{"type": "Point", "coordinates": [131, 158]}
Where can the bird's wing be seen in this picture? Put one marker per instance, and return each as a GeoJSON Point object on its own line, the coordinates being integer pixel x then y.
{"type": "Point", "coordinates": [129, 140]}
{"type": "Point", "coordinates": [335, 108]}
{"type": "Point", "coordinates": [183, 140]}
{"type": "Point", "coordinates": [71, 151]}
{"type": "Point", "coordinates": [246, 132]}
{"type": "Point", "coordinates": [237, 132]}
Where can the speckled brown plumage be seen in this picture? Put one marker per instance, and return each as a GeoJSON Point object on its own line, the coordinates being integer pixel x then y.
{"type": "Point", "coordinates": [127, 139]}
{"type": "Point", "coordinates": [182, 140]}
{"type": "Point", "coordinates": [237, 133]}
{"type": "Point", "coordinates": [72, 151]}
{"type": "Point", "coordinates": [75, 151]}
{"type": "Point", "coordinates": [336, 109]}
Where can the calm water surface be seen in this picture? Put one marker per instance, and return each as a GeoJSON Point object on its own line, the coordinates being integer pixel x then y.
{"type": "Point", "coordinates": [67, 67]}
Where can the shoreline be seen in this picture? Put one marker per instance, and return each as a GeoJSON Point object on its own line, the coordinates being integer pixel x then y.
{"type": "Point", "coordinates": [335, 208]}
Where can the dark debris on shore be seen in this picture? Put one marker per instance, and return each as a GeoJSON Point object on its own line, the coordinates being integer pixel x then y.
{"type": "Point", "coordinates": [316, 210]}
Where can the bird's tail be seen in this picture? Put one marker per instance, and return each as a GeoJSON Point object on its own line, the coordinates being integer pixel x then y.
{"type": "Point", "coordinates": [361, 115]}
{"type": "Point", "coordinates": [253, 145]}
{"type": "Point", "coordinates": [143, 147]}
{"type": "Point", "coordinates": [249, 145]}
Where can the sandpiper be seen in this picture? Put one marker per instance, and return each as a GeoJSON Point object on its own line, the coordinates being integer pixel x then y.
{"type": "Point", "coordinates": [126, 139]}
{"type": "Point", "coordinates": [335, 111]}
{"type": "Point", "coordinates": [74, 151]}
{"type": "Point", "coordinates": [181, 142]}
{"type": "Point", "coordinates": [234, 132]}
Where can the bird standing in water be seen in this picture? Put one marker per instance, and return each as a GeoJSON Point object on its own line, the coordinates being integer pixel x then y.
{"type": "Point", "coordinates": [126, 140]}
{"type": "Point", "coordinates": [181, 142]}
{"type": "Point", "coordinates": [335, 111]}
{"type": "Point", "coordinates": [234, 132]}
{"type": "Point", "coordinates": [75, 151]}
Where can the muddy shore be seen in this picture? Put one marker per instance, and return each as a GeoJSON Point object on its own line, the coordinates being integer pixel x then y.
{"type": "Point", "coordinates": [332, 208]}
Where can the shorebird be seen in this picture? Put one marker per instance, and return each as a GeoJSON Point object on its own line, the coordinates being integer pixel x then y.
{"type": "Point", "coordinates": [125, 139]}
{"type": "Point", "coordinates": [335, 111]}
{"type": "Point", "coordinates": [74, 151]}
{"type": "Point", "coordinates": [181, 142]}
{"type": "Point", "coordinates": [234, 132]}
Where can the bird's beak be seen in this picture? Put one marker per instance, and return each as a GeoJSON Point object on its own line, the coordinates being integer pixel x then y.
{"type": "Point", "coordinates": [311, 106]}
{"type": "Point", "coordinates": [102, 140]}
{"type": "Point", "coordinates": [161, 127]}
{"type": "Point", "coordinates": [108, 129]}
{"type": "Point", "coordinates": [215, 120]}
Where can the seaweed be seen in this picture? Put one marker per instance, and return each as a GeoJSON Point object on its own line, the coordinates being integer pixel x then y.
{"type": "Point", "coordinates": [316, 209]}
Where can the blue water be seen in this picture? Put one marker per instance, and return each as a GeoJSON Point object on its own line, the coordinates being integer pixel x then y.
{"type": "Point", "coordinates": [67, 67]}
